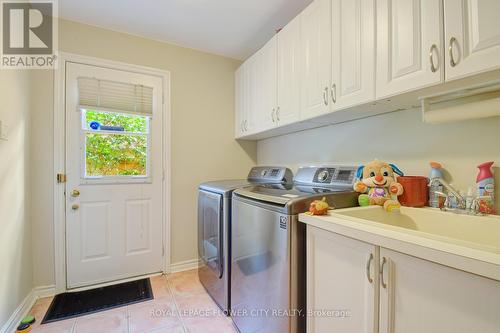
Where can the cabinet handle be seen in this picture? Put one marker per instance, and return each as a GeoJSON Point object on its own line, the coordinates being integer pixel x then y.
{"type": "Point", "coordinates": [244, 125]}
{"type": "Point", "coordinates": [278, 113]}
{"type": "Point", "coordinates": [382, 265]}
{"type": "Point", "coordinates": [453, 63]}
{"type": "Point", "coordinates": [272, 114]}
{"type": "Point", "coordinates": [334, 93]}
{"type": "Point", "coordinates": [431, 58]}
{"type": "Point", "coordinates": [368, 268]}
{"type": "Point", "coordinates": [325, 97]}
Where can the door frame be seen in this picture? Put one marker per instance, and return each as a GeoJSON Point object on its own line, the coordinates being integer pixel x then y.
{"type": "Point", "coordinates": [59, 146]}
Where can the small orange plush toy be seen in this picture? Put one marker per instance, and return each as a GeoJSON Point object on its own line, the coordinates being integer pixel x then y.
{"type": "Point", "coordinates": [318, 207]}
{"type": "Point", "coordinates": [377, 183]}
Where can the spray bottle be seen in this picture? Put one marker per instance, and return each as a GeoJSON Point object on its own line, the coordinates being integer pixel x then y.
{"type": "Point", "coordinates": [486, 187]}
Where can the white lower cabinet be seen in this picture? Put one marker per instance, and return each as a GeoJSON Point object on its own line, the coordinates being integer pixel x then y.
{"type": "Point", "coordinates": [341, 283]}
{"type": "Point", "coordinates": [355, 287]}
{"type": "Point", "coordinates": [422, 296]}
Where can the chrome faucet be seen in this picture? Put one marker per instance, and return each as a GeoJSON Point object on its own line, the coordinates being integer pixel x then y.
{"type": "Point", "coordinates": [461, 203]}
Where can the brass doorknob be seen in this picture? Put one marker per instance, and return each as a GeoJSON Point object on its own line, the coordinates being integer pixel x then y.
{"type": "Point", "coordinates": [75, 206]}
{"type": "Point", "coordinates": [75, 193]}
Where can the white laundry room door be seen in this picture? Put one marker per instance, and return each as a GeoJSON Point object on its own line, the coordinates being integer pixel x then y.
{"type": "Point", "coordinates": [114, 171]}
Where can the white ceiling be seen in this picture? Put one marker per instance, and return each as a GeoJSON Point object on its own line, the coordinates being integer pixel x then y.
{"type": "Point", "coordinates": [233, 28]}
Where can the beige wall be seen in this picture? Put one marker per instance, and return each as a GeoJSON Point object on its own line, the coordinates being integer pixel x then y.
{"type": "Point", "coordinates": [202, 104]}
{"type": "Point", "coordinates": [399, 137]}
{"type": "Point", "coordinates": [16, 278]}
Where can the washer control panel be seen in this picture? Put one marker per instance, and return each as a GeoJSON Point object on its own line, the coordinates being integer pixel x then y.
{"type": "Point", "coordinates": [331, 175]}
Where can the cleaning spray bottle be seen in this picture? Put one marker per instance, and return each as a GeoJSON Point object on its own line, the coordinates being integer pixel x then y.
{"type": "Point", "coordinates": [486, 187]}
{"type": "Point", "coordinates": [434, 187]}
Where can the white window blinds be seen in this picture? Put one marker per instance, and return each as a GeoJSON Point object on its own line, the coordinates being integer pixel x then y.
{"type": "Point", "coordinates": [115, 96]}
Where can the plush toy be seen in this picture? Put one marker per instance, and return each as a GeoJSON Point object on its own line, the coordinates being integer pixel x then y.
{"type": "Point", "coordinates": [318, 207]}
{"type": "Point", "coordinates": [377, 183]}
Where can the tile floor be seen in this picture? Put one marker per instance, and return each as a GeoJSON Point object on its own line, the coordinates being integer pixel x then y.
{"type": "Point", "coordinates": [181, 305]}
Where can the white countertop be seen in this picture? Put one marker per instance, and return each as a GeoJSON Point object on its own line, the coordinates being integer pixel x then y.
{"type": "Point", "coordinates": [475, 258]}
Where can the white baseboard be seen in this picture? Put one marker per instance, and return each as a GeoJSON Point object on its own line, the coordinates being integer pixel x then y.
{"type": "Point", "coordinates": [19, 313]}
{"type": "Point", "coordinates": [45, 291]}
{"type": "Point", "coordinates": [184, 265]}
{"type": "Point", "coordinates": [22, 310]}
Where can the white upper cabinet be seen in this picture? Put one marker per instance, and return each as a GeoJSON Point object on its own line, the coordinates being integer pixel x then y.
{"type": "Point", "coordinates": [239, 101]}
{"type": "Point", "coordinates": [288, 106]}
{"type": "Point", "coordinates": [315, 27]}
{"type": "Point", "coordinates": [338, 56]}
{"type": "Point", "coordinates": [472, 31]}
{"type": "Point", "coordinates": [353, 53]}
{"type": "Point", "coordinates": [251, 91]}
{"type": "Point", "coordinates": [409, 45]}
{"type": "Point", "coordinates": [246, 98]}
{"type": "Point", "coordinates": [265, 110]}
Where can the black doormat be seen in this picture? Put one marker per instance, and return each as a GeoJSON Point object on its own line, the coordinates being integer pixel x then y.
{"type": "Point", "coordinates": [69, 305]}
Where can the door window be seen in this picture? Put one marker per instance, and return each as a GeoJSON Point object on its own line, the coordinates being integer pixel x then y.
{"type": "Point", "coordinates": [115, 146]}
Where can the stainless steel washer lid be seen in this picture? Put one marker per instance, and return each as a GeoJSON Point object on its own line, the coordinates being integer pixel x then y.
{"type": "Point", "coordinates": [294, 201]}
{"type": "Point", "coordinates": [223, 187]}
{"type": "Point", "coordinates": [284, 194]}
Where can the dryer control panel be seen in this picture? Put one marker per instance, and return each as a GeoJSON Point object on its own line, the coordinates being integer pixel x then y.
{"type": "Point", "coordinates": [263, 174]}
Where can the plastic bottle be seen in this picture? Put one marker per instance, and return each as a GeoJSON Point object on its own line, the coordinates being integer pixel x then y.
{"type": "Point", "coordinates": [486, 187]}
{"type": "Point", "coordinates": [485, 181]}
{"type": "Point", "coordinates": [436, 172]}
{"type": "Point", "coordinates": [469, 199]}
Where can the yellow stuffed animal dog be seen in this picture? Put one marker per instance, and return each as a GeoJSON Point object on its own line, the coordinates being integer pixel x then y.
{"type": "Point", "coordinates": [377, 183]}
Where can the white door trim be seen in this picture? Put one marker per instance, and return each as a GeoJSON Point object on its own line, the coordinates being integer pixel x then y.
{"type": "Point", "coordinates": [59, 156]}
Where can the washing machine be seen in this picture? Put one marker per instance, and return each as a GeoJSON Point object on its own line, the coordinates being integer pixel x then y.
{"type": "Point", "coordinates": [214, 228]}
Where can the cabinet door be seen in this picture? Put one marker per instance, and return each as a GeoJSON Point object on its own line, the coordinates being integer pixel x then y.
{"type": "Point", "coordinates": [315, 37]}
{"type": "Point", "coordinates": [472, 29]}
{"type": "Point", "coordinates": [338, 273]}
{"type": "Point", "coordinates": [288, 106]}
{"type": "Point", "coordinates": [265, 117]}
{"type": "Point", "coordinates": [407, 32]}
{"type": "Point", "coordinates": [252, 94]}
{"type": "Point", "coordinates": [422, 296]}
{"type": "Point", "coordinates": [353, 52]}
{"type": "Point", "coordinates": [239, 99]}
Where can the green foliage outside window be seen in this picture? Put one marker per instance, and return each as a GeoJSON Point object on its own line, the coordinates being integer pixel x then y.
{"type": "Point", "coordinates": [116, 154]}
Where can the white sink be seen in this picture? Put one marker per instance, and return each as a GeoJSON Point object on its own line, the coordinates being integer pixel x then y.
{"type": "Point", "coordinates": [480, 232]}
